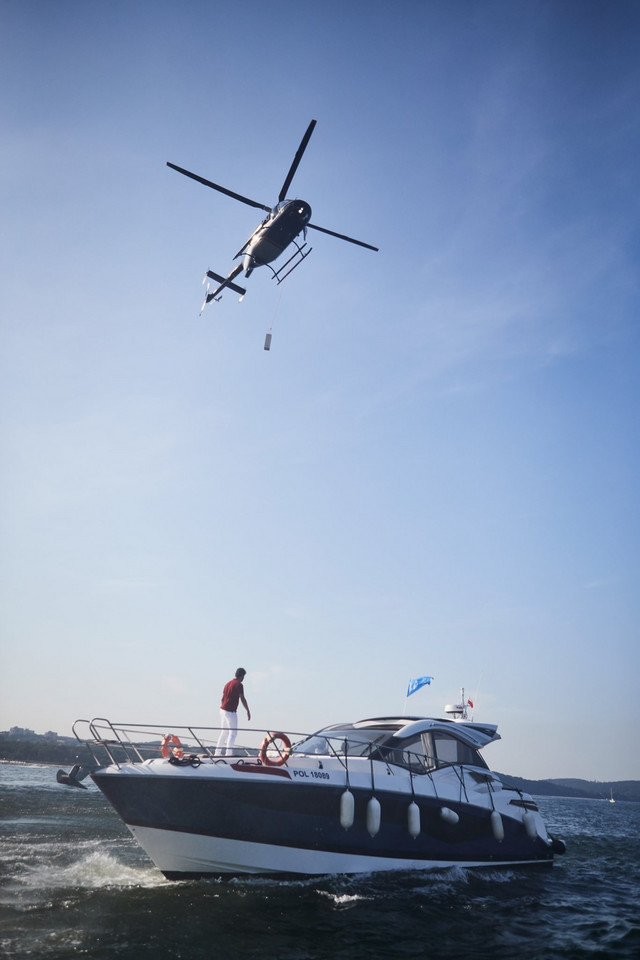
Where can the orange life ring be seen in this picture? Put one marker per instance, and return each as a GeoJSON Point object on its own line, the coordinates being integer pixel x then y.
{"type": "Point", "coordinates": [284, 753]}
{"type": "Point", "coordinates": [176, 750]}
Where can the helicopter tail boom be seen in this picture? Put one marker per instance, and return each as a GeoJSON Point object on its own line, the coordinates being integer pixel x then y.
{"type": "Point", "coordinates": [224, 284]}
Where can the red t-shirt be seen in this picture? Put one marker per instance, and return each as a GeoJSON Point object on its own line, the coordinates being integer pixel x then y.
{"type": "Point", "coordinates": [231, 695]}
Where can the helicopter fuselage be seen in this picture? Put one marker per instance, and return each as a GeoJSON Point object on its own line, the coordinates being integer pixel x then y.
{"type": "Point", "coordinates": [281, 226]}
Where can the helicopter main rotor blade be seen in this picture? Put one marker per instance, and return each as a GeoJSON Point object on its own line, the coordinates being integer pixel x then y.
{"type": "Point", "coordinates": [215, 186]}
{"type": "Point", "coordinates": [296, 161]}
{"type": "Point", "coordinates": [341, 236]}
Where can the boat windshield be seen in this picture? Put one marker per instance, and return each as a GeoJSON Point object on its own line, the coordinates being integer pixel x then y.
{"type": "Point", "coordinates": [358, 743]}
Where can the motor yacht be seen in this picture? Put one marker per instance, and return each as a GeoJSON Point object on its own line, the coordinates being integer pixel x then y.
{"type": "Point", "coordinates": [387, 793]}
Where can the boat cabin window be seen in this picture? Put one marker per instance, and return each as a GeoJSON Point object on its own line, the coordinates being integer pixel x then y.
{"type": "Point", "coordinates": [359, 743]}
{"type": "Point", "coordinates": [421, 753]}
{"type": "Point", "coordinates": [410, 754]}
{"type": "Point", "coordinates": [448, 749]}
{"type": "Point", "coordinates": [430, 750]}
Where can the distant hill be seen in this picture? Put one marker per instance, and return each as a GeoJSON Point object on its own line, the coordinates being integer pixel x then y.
{"type": "Point", "coordinates": [571, 787]}
{"type": "Point", "coordinates": [25, 746]}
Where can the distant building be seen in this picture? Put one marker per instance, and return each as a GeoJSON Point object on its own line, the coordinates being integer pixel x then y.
{"type": "Point", "coordinates": [23, 733]}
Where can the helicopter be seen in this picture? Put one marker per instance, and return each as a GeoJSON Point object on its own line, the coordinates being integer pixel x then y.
{"type": "Point", "coordinates": [280, 228]}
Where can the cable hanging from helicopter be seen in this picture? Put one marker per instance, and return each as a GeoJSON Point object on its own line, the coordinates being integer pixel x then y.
{"type": "Point", "coordinates": [283, 224]}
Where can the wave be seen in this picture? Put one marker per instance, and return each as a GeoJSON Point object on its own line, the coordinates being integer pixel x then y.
{"type": "Point", "coordinates": [95, 870]}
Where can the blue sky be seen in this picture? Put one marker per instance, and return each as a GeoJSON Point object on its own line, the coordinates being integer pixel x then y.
{"type": "Point", "coordinates": [435, 468]}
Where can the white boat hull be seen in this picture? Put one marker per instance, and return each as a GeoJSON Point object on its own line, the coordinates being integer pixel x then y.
{"type": "Point", "coordinates": [190, 855]}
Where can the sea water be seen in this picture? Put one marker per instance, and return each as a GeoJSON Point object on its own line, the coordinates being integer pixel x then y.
{"type": "Point", "coordinates": [73, 883]}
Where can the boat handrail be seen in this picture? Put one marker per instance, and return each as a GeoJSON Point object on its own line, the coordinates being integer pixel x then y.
{"type": "Point", "coordinates": [126, 742]}
{"type": "Point", "coordinates": [115, 739]}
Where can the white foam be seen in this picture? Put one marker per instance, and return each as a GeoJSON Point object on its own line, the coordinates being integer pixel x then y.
{"type": "Point", "coordinates": [94, 870]}
{"type": "Point", "coordinates": [344, 899]}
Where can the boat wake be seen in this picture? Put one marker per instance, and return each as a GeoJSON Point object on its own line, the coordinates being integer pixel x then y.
{"type": "Point", "coordinates": [92, 871]}
{"type": "Point", "coordinates": [343, 891]}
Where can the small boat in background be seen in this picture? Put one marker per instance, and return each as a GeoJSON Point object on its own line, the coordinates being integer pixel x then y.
{"type": "Point", "coordinates": [611, 800]}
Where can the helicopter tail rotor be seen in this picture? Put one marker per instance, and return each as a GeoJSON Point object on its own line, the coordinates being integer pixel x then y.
{"type": "Point", "coordinates": [206, 295]}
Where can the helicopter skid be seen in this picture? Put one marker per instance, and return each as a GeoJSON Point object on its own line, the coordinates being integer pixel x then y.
{"type": "Point", "coordinates": [296, 259]}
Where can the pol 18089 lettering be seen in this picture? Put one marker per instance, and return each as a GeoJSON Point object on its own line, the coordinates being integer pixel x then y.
{"type": "Point", "coordinates": [312, 774]}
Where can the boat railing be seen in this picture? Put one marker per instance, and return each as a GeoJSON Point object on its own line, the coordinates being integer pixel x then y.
{"type": "Point", "coordinates": [120, 743]}
{"type": "Point", "coordinates": [111, 743]}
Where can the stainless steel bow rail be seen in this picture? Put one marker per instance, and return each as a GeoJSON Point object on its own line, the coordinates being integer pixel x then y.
{"type": "Point", "coordinates": [120, 743]}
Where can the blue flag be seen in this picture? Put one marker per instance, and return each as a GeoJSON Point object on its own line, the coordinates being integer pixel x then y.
{"type": "Point", "coordinates": [417, 683]}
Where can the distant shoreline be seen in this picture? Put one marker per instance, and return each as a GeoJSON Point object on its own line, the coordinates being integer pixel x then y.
{"type": "Point", "coordinates": [28, 763]}
{"type": "Point", "coordinates": [51, 750]}
{"type": "Point", "coordinates": [505, 778]}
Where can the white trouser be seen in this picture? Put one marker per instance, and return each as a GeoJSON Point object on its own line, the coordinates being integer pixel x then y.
{"type": "Point", "coordinates": [227, 738]}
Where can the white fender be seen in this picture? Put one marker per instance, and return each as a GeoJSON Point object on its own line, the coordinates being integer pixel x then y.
{"type": "Point", "coordinates": [529, 822]}
{"type": "Point", "coordinates": [449, 816]}
{"type": "Point", "coordinates": [497, 826]}
{"type": "Point", "coordinates": [413, 819]}
{"type": "Point", "coordinates": [347, 807]}
{"type": "Point", "coordinates": [373, 816]}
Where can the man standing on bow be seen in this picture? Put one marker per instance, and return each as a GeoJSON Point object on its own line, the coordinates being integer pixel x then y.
{"type": "Point", "coordinates": [232, 694]}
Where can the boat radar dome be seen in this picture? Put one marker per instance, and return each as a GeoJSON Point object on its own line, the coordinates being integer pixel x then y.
{"type": "Point", "coordinates": [457, 711]}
